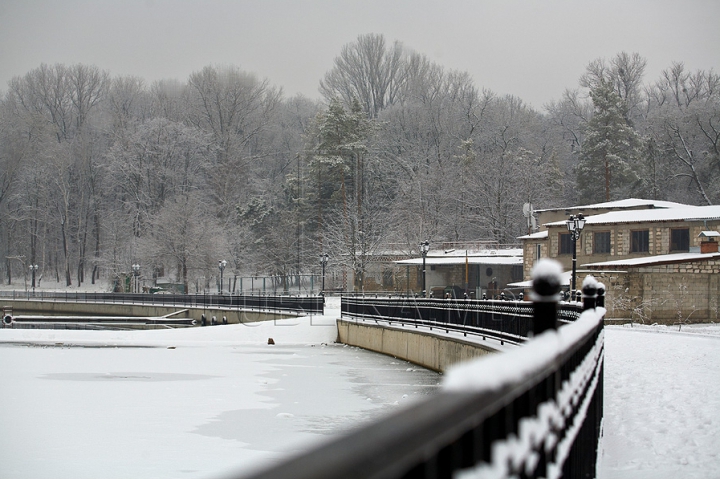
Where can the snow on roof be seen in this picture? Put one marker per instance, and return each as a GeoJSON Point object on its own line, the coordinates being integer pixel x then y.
{"type": "Point", "coordinates": [627, 203]}
{"type": "Point", "coordinates": [652, 260]}
{"type": "Point", "coordinates": [472, 253]}
{"type": "Point", "coordinates": [539, 235]}
{"type": "Point", "coordinates": [564, 281]}
{"type": "Point", "coordinates": [458, 260]}
{"type": "Point", "coordinates": [685, 213]}
{"type": "Point", "coordinates": [709, 234]}
{"type": "Point", "coordinates": [454, 253]}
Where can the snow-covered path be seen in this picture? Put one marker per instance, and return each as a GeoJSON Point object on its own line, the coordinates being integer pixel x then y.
{"type": "Point", "coordinates": [662, 403]}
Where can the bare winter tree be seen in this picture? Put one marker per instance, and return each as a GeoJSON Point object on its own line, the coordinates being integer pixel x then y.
{"type": "Point", "coordinates": [236, 108]}
{"type": "Point", "coordinates": [367, 70]}
{"type": "Point", "coordinates": [685, 126]}
{"type": "Point", "coordinates": [185, 239]}
{"type": "Point", "coordinates": [624, 73]}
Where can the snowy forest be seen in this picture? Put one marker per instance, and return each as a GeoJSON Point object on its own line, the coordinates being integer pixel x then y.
{"type": "Point", "coordinates": [100, 172]}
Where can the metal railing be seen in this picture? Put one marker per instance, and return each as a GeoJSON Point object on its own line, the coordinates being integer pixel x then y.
{"type": "Point", "coordinates": [300, 304]}
{"type": "Point", "coordinates": [541, 420]}
{"type": "Point", "coordinates": [510, 321]}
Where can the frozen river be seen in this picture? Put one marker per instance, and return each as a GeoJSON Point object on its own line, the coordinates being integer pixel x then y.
{"type": "Point", "coordinates": [186, 403]}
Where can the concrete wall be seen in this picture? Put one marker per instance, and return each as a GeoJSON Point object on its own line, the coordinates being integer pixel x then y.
{"type": "Point", "coordinates": [424, 348]}
{"type": "Point", "coordinates": [664, 293]}
{"type": "Point", "coordinates": [21, 306]}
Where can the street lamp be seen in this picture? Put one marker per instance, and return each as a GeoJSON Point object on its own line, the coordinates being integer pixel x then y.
{"type": "Point", "coordinates": [575, 225]}
{"type": "Point", "coordinates": [221, 267]}
{"type": "Point", "coordinates": [424, 248]}
{"type": "Point", "coordinates": [33, 269]}
{"type": "Point", "coordinates": [323, 260]}
{"type": "Point", "coordinates": [136, 275]}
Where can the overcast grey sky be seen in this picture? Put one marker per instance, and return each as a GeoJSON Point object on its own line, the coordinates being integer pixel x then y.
{"type": "Point", "coordinates": [533, 49]}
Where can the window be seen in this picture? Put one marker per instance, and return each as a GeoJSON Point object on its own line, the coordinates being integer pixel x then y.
{"type": "Point", "coordinates": [639, 241]}
{"type": "Point", "coordinates": [538, 251]}
{"type": "Point", "coordinates": [601, 242]}
{"type": "Point", "coordinates": [517, 272]}
{"type": "Point", "coordinates": [565, 244]}
{"type": "Point", "coordinates": [387, 279]}
{"type": "Point", "coordinates": [680, 240]}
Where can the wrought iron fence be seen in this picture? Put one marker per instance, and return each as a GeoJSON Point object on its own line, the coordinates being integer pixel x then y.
{"type": "Point", "coordinates": [511, 319]}
{"type": "Point", "coordinates": [302, 304]}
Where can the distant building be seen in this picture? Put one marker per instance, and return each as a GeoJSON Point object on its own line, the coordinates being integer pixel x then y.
{"type": "Point", "coordinates": [659, 260]}
{"type": "Point", "coordinates": [455, 268]}
{"type": "Point", "coordinates": [457, 272]}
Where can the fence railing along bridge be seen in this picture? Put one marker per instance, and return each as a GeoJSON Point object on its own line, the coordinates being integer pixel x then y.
{"type": "Point", "coordinates": [534, 411]}
{"type": "Point", "coordinates": [271, 303]}
{"type": "Point", "coordinates": [508, 321]}
{"type": "Point", "coordinates": [308, 304]}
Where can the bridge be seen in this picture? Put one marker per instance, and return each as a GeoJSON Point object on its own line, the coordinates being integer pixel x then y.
{"type": "Point", "coordinates": [534, 411]}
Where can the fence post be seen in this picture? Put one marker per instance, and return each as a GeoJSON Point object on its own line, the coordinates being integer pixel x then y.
{"type": "Point", "coordinates": [589, 292]}
{"type": "Point", "coordinates": [546, 276]}
{"type": "Point", "coordinates": [600, 302]}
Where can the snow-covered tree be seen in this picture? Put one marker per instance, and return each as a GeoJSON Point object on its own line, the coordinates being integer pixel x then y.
{"type": "Point", "coordinates": [609, 151]}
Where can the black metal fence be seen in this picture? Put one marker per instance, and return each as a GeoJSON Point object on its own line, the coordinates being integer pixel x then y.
{"type": "Point", "coordinates": [541, 420]}
{"type": "Point", "coordinates": [302, 304]}
{"type": "Point", "coordinates": [508, 320]}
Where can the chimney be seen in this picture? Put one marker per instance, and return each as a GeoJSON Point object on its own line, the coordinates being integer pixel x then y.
{"type": "Point", "coordinates": [708, 243]}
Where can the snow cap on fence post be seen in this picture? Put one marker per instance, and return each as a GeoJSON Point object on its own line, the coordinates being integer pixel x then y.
{"type": "Point", "coordinates": [589, 292]}
{"type": "Point", "coordinates": [546, 276]}
{"type": "Point", "coordinates": [600, 301]}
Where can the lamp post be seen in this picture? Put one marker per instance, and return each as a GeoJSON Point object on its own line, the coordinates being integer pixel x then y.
{"type": "Point", "coordinates": [575, 225]}
{"type": "Point", "coordinates": [424, 248]}
{"type": "Point", "coordinates": [221, 266]}
{"type": "Point", "coordinates": [323, 260]}
{"type": "Point", "coordinates": [136, 275]}
{"type": "Point", "coordinates": [33, 269]}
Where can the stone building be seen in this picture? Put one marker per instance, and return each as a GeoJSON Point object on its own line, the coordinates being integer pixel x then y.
{"type": "Point", "coordinates": [658, 260]}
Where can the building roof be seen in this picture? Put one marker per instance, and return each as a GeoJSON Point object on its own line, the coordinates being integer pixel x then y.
{"type": "Point", "coordinates": [564, 281]}
{"type": "Point", "coordinates": [623, 204]}
{"type": "Point", "coordinates": [486, 253]}
{"type": "Point", "coordinates": [684, 213]}
{"type": "Point", "coordinates": [653, 260]}
{"type": "Point", "coordinates": [539, 235]}
{"type": "Point", "coordinates": [509, 257]}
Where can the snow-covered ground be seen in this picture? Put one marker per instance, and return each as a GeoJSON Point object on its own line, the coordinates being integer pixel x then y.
{"type": "Point", "coordinates": [199, 402]}
{"type": "Point", "coordinates": [662, 403]}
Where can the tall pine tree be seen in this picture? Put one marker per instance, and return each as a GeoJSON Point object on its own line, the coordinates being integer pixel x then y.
{"type": "Point", "coordinates": [610, 150]}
